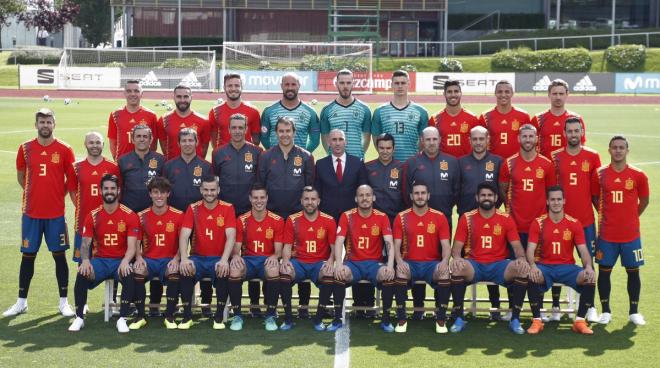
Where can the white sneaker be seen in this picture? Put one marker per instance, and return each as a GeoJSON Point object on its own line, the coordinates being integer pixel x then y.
{"type": "Point", "coordinates": [67, 310]}
{"type": "Point", "coordinates": [85, 309]}
{"type": "Point", "coordinates": [637, 319]}
{"type": "Point", "coordinates": [507, 316]}
{"type": "Point", "coordinates": [592, 315]}
{"type": "Point", "coordinates": [16, 309]}
{"type": "Point", "coordinates": [556, 314]}
{"type": "Point", "coordinates": [544, 317]}
{"type": "Point", "coordinates": [77, 324]}
{"type": "Point", "coordinates": [605, 318]}
{"type": "Point", "coordinates": [122, 326]}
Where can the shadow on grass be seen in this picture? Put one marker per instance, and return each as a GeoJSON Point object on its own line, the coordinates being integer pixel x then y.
{"type": "Point", "coordinates": [48, 332]}
{"type": "Point", "coordinates": [492, 338]}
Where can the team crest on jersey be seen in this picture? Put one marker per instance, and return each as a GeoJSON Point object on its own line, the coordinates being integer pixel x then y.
{"type": "Point", "coordinates": [297, 161]}
{"type": "Point", "coordinates": [197, 171]}
{"type": "Point", "coordinates": [497, 229]}
{"type": "Point", "coordinates": [585, 166]}
{"type": "Point", "coordinates": [269, 233]}
{"type": "Point", "coordinates": [121, 226]}
{"type": "Point", "coordinates": [629, 184]}
{"type": "Point", "coordinates": [248, 156]}
{"type": "Point", "coordinates": [320, 233]}
{"type": "Point", "coordinates": [169, 227]}
{"type": "Point", "coordinates": [375, 230]}
{"type": "Point", "coordinates": [444, 165]}
{"type": "Point", "coordinates": [430, 228]}
{"type": "Point", "coordinates": [394, 174]}
{"type": "Point", "coordinates": [490, 166]}
{"type": "Point", "coordinates": [539, 173]}
{"type": "Point", "coordinates": [55, 158]}
{"type": "Point", "coordinates": [464, 127]}
{"type": "Point", "coordinates": [515, 125]}
{"type": "Point", "coordinates": [220, 221]}
{"type": "Point", "coordinates": [411, 116]}
{"type": "Point", "coordinates": [153, 163]}
{"type": "Point", "coordinates": [356, 114]}
{"type": "Point", "coordinates": [568, 235]}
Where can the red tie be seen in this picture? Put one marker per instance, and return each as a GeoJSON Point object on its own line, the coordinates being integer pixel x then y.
{"type": "Point", "coordinates": [340, 173]}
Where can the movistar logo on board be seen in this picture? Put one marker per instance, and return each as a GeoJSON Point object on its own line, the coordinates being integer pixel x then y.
{"type": "Point", "coordinates": [150, 80]}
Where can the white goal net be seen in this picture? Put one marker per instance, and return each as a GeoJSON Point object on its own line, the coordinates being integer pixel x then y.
{"type": "Point", "coordinates": [261, 65]}
{"type": "Point", "coordinates": [155, 69]}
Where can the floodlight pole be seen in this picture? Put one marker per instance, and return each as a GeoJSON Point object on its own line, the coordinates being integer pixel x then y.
{"type": "Point", "coordinates": [178, 17]}
{"type": "Point", "coordinates": [558, 12]}
{"type": "Point", "coordinates": [613, 21]}
{"type": "Point", "coordinates": [112, 26]}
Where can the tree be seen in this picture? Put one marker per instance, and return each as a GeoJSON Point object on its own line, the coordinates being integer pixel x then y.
{"type": "Point", "coordinates": [94, 20]}
{"type": "Point", "coordinates": [8, 9]}
{"type": "Point", "coordinates": [48, 16]}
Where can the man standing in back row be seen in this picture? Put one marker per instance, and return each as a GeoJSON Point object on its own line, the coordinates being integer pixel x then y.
{"type": "Point", "coordinates": [122, 121]}
{"type": "Point", "coordinates": [307, 130]}
{"type": "Point", "coordinates": [402, 118]}
{"type": "Point", "coordinates": [220, 115]}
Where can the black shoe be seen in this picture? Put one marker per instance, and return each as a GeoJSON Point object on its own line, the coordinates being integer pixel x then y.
{"type": "Point", "coordinates": [417, 316]}
{"type": "Point", "coordinates": [207, 312]}
{"type": "Point", "coordinates": [303, 314]}
{"type": "Point", "coordinates": [325, 314]}
{"type": "Point", "coordinates": [155, 312]}
{"type": "Point", "coordinates": [495, 316]}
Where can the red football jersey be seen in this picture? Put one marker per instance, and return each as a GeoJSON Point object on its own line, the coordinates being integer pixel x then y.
{"type": "Point", "coordinates": [169, 125]}
{"type": "Point", "coordinates": [420, 235]}
{"type": "Point", "coordinates": [110, 231]}
{"type": "Point", "coordinates": [503, 129]}
{"type": "Point", "coordinates": [574, 175]}
{"type": "Point", "coordinates": [310, 240]}
{"type": "Point", "coordinates": [219, 120]}
{"type": "Point", "coordinates": [120, 126]}
{"type": "Point", "coordinates": [528, 181]}
{"type": "Point", "coordinates": [85, 181]}
{"type": "Point", "coordinates": [160, 233]}
{"type": "Point", "coordinates": [551, 130]}
{"type": "Point", "coordinates": [365, 241]}
{"type": "Point", "coordinates": [618, 199]}
{"type": "Point", "coordinates": [555, 243]}
{"type": "Point", "coordinates": [258, 238]}
{"type": "Point", "coordinates": [47, 169]}
{"type": "Point", "coordinates": [208, 237]}
{"type": "Point", "coordinates": [485, 240]}
{"type": "Point", "coordinates": [454, 131]}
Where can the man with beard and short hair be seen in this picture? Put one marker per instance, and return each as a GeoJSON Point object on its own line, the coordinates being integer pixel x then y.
{"type": "Point", "coordinates": [169, 125]}
{"type": "Point", "coordinates": [122, 121]}
{"type": "Point", "coordinates": [422, 250]}
{"type": "Point", "coordinates": [575, 165]}
{"type": "Point", "coordinates": [454, 122]}
{"type": "Point", "coordinates": [113, 229]}
{"type": "Point", "coordinates": [349, 115]}
{"type": "Point", "coordinates": [83, 185]}
{"type": "Point", "coordinates": [480, 253]}
{"type": "Point", "coordinates": [220, 115]}
{"type": "Point", "coordinates": [551, 123]}
{"type": "Point", "coordinates": [304, 117]}
{"type": "Point", "coordinates": [43, 166]}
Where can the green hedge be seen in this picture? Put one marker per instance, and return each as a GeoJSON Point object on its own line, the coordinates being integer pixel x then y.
{"type": "Point", "coordinates": [41, 55]}
{"type": "Point", "coordinates": [185, 63]}
{"type": "Point", "coordinates": [626, 57]}
{"type": "Point", "coordinates": [450, 65]}
{"type": "Point", "coordinates": [556, 60]}
{"type": "Point", "coordinates": [328, 63]}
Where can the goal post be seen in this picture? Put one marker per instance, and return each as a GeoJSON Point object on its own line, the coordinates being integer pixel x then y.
{"type": "Point", "coordinates": [262, 64]}
{"type": "Point", "coordinates": [81, 68]}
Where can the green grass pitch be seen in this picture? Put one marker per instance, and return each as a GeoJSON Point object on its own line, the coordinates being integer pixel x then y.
{"type": "Point", "coordinates": [39, 338]}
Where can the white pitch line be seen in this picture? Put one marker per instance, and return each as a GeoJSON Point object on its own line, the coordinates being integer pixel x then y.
{"type": "Point", "coordinates": [12, 152]}
{"type": "Point", "coordinates": [343, 340]}
{"type": "Point", "coordinates": [32, 130]}
{"type": "Point", "coordinates": [645, 163]}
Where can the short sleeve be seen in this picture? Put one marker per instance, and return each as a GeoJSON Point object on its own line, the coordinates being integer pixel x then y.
{"type": "Point", "coordinates": [88, 227]}
{"type": "Point", "coordinates": [505, 174]}
{"type": "Point", "coordinates": [398, 228]}
{"type": "Point", "coordinates": [534, 232]}
{"type": "Point", "coordinates": [342, 229]}
{"type": "Point", "coordinates": [376, 124]}
{"type": "Point", "coordinates": [133, 225]}
{"type": "Point", "coordinates": [366, 121]}
{"type": "Point", "coordinates": [461, 230]}
{"type": "Point", "coordinates": [385, 225]}
{"type": "Point", "coordinates": [288, 236]}
{"type": "Point", "coordinates": [512, 231]}
{"type": "Point", "coordinates": [444, 233]}
{"type": "Point", "coordinates": [188, 218]}
{"type": "Point", "coordinates": [239, 231]}
{"type": "Point", "coordinates": [579, 233]}
{"type": "Point", "coordinates": [642, 185]}
{"type": "Point", "coordinates": [112, 128]}
{"type": "Point", "coordinates": [279, 231]}
{"type": "Point", "coordinates": [20, 159]}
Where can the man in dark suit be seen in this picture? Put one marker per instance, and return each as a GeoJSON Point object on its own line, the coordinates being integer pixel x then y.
{"type": "Point", "coordinates": [337, 178]}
